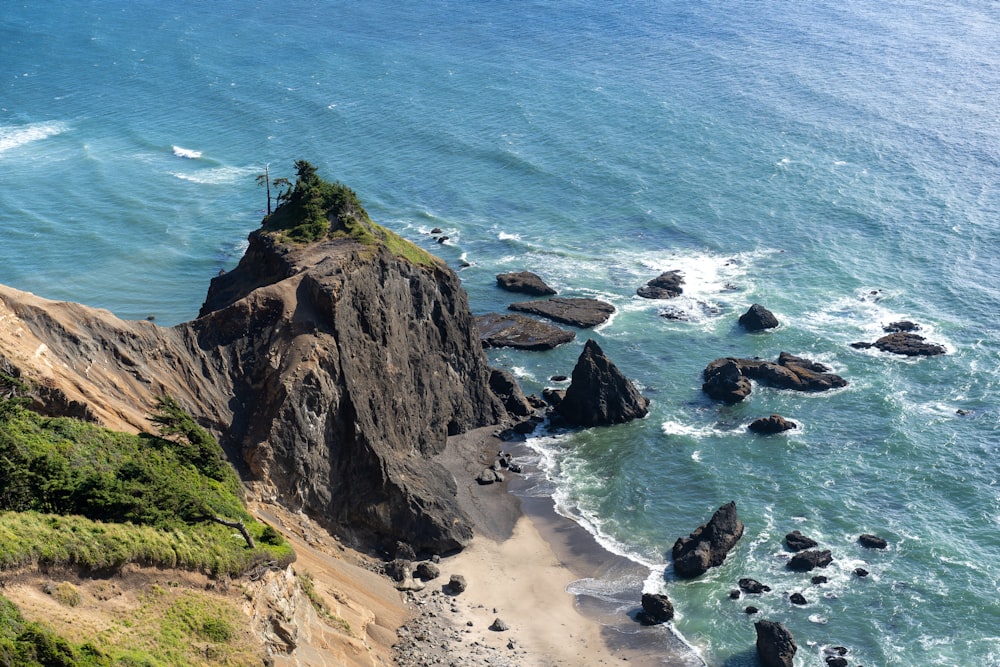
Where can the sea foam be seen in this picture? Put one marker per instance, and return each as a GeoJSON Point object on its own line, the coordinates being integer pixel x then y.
{"type": "Point", "coordinates": [15, 136]}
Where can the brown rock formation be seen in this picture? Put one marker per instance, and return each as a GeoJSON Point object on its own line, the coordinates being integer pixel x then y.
{"type": "Point", "coordinates": [332, 372]}
{"type": "Point", "coordinates": [709, 544]}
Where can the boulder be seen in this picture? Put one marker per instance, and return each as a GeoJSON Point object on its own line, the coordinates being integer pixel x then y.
{"type": "Point", "coordinates": [771, 425]}
{"type": "Point", "coordinates": [860, 572]}
{"type": "Point", "coordinates": [758, 318]}
{"type": "Point", "coordinates": [796, 541]}
{"type": "Point", "coordinates": [499, 626]}
{"type": "Point", "coordinates": [727, 379]}
{"type": "Point", "coordinates": [575, 312]}
{"type": "Point", "coordinates": [872, 542]}
{"type": "Point", "coordinates": [553, 396]}
{"type": "Point", "coordinates": [798, 598]}
{"type": "Point", "coordinates": [804, 561]}
{"type": "Point", "coordinates": [775, 645]}
{"type": "Point", "coordinates": [724, 381]}
{"type": "Point", "coordinates": [665, 286]}
{"type": "Point", "coordinates": [753, 586]}
{"type": "Point", "coordinates": [599, 394]}
{"type": "Point", "coordinates": [656, 609]}
{"type": "Point", "coordinates": [525, 282]}
{"type": "Point", "coordinates": [904, 343]}
{"type": "Point", "coordinates": [709, 544]}
{"type": "Point", "coordinates": [456, 584]}
{"type": "Point", "coordinates": [902, 325]}
{"type": "Point", "coordinates": [489, 476]}
{"type": "Point", "coordinates": [520, 332]}
{"type": "Point", "coordinates": [819, 579]}
{"type": "Point", "coordinates": [505, 387]}
{"type": "Point", "coordinates": [428, 571]}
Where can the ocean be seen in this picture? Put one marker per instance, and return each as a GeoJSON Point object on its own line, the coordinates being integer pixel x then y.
{"type": "Point", "coordinates": [836, 162]}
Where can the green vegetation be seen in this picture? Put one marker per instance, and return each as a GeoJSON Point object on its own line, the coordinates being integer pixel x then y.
{"type": "Point", "coordinates": [75, 493]}
{"type": "Point", "coordinates": [314, 209]}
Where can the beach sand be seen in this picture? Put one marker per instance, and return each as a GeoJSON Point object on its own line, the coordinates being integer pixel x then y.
{"type": "Point", "coordinates": [521, 568]}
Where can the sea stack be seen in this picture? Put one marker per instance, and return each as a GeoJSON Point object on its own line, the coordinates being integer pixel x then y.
{"type": "Point", "coordinates": [599, 394]}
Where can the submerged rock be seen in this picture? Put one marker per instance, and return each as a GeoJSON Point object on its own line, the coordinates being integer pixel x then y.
{"type": "Point", "coordinates": [599, 394]}
{"type": "Point", "coordinates": [709, 544]}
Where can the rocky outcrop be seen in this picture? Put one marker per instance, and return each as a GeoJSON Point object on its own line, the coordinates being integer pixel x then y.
{"type": "Point", "coordinates": [656, 609]}
{"type": "Point", "coordinates": [505, 387]}
{"type": "Point", "coordinates": [665, 286]}
{"type": "Point", "coordinates": [796, 541]}
{"type": "Point", "coordinates": [520, 332]}
{"type": "Point", "coordinates": [524, 282]}
{"type": "Point", "coordinates": [727, 379]}
{"type": "Point", "coordinates": [805, 561]}
{"type": "Point", "coordinates": [775, 645]}
{"type": "Point", "coordinates": [758, 318]}
{"type": "Point", "coordinates": [331, 372]}
{"type": "Point", "coordinates": [753, 587]}
{"type": "Point", "coordinates": [872, 541]}
{"type": "Point", "coordinates": [599, 394]}
{"type": "Point", "coordinates": [904, 343]}
{"type": "Point", "coordinates": [582, 313]}
{"type": "Point", "coordinates": [709, 544]}
{"type": "Point", "coordinates": [771, 425]}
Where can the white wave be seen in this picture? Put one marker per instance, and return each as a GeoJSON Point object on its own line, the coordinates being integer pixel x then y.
{"type": "Point", "coordinates": [504, 236]}
{"type": "Point", "coordinates": [13, 136]}
{"type": "Point", "coordinates": [217, 176]}
{"type": "Point", "coordinates": [672, 427]}
{"type": "Point", "coordinates": [186, 153]}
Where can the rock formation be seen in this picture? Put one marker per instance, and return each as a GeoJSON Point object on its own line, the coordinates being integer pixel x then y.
{"type": "Point", "coordinates": [665, 286]}
{"type": "Point", "coordinates": [904, 343]}
{"type": "Point", "coordinates": [804, 561]}
{"type": "Point", "coordinates": [727, 379]}
{"type": "Point", "coordinates": [656, 609]}
{"type": "Point", "coordinates": [771, 425]}
{"type": "Point", "coordinates": [332, 372]}
{"type": "Point", "coordinates": [796, 541]}
{"type": "Point", "coordinates": [872, 541]}
{"type": "Point", "coordinates": [758, 318]}
{"type": "Point", "coordinates": [598, 394]}
{"type": "Point", "coordinates": [520, 332]}
{"type": "Point", "coordinates": [525, 282]}
{"type": "Point", "coordinates": [582, 313]}
{"type": "Point", "coordinates": [709, 544]}
{"type": "Point", "coordinates": [505, 387]}
{"type": "Point", "coordinates": [775, 645]}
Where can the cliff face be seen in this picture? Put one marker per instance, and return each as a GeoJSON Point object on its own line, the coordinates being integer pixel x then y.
{"type": "Point", "coordinates": [332, 372]}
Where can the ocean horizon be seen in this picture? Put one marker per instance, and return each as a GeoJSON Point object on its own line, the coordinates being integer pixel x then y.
{"type": "Point", "coordinates": [838, 163]}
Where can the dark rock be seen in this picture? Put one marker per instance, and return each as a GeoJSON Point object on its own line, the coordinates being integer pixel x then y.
{"type": "Point", "coordinates": [428, 571]}
{"type": "Point", "coordinates": [819, 579]}
{"type": "Point", "coordinates": [489, 476]}
{"type": "Point", "coordinates": [437, 230]}
{"type": "Point", "coordinates": [735, 594]}
{"type": "Point", "coordinates": [775, 645]}
{"type": "Point", "coordinates": [553, 396]}
{"type": "Point", "coordinates": [758, 318]}
{"type": "Point", "coordinates": [771, 425]}
{"type": "Point", "coordinates": [798, 598]}
{"type": "Point", "coordinates": [872, 542]}
{"type": "Point", "coordinates": [456, 584]}
{"type": "Point", "coordinates": [599, 395]}
{"type": "Point", "coordinates": [665, 286]}
{"type": "Point", "coordinates": [525, 282]}
{"type": "Point", "coordinates": [499, 626]}
{"type": "Point", "coordinates": [753, 586]}
{"type": "Point", "coordinates": [528, 425]}
{"type": "Point", "coordinates": [724, 381]}
{"type": "Point", "coordinates": [656, 609]}
{"type": "Point", "coordinates": [751, 610]}
{"type": "Point", "coordinates": [860, 572]}
{"type": "Point", "coordinates": [727, 379]}
{"type": "Point", "coordinates": [441, 239]}
{"type": "Point", "coordinates": [504, 386]}
{"type": "Point", "coordinates": [902, 326]}
{"type": "Point", "coordinates": [558, 378]}
{"type": "Point", "coordinates": [575, 312]}
{"type": "Point", "coordinates": [961, 412]}
{"type": "Point", "coordinates": [904, 343]}
{"type": "Point", "coordinates": [520, 332]}
{"type": "Point", "coordinates": [804, 561]}
{"type": "Point", "coordinates": [709, 544]}
{"type": "Point", "coordinates": [399, 569]}
{"type": "Point", "coordinates": [796, 541]}
{"type": "Point", "coordinates": [404, 551]}
{"type": "Point", "coordinates": [835, 661]}
{"type": "Point", "coordinates": [535, 402]}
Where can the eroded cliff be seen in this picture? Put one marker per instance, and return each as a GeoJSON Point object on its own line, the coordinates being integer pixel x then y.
{"type": "Point", "coordinates": [331, 372]}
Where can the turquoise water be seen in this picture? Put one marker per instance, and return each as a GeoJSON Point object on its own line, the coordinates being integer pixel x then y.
{"type": "Point", "coordinates": [836, 162]}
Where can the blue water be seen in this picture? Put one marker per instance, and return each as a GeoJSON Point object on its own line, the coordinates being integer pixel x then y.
{"type": "Point", "coordinates": [836, 162]}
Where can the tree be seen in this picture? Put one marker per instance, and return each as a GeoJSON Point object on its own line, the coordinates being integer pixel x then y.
{"type": "Point", "coordinates": [283, 195]}
{"type": "Point", "coordinates": [265, 180]}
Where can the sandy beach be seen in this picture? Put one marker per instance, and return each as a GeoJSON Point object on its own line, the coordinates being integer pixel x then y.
{"type": "Point", "coordinates": [520, 569]}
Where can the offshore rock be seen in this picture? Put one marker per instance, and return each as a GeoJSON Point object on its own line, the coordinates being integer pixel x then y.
{"type": "Point", "coordinates": [727, 379]}
{"type": "Point", "coordinates": [904, 343]}
{"type": "Point", "coordinates": [656, 609]}
{"type": "Point", "coordinates": [525, 282]}
{"type": "Point", "coordinates": [665, 286]}
{"type": "Point", "coordinates": [805, 561]}
{"type": "Point", "coordinates": [582, 313]}
{"type": "Point", "coordinates": [520, 332]}
{"type": "Point", "coordinates": [599, 394]}
{"type": "Point", "coordinates": [771, 425]}
{"type": "Point", "coordinates": [724, 381]}
{"type": "Point", "coordinates": [758, 318]}
{"type": "Point", "coordinates": [775, 645]}
{"type": "Point", "coordinates": [796, 541]}
{"type": "Point", "coordinates": [331, 372]}
{"type": "Point", "coordinates": [872, 542]}
{"type": "Point", "coordinates": [709, 544]}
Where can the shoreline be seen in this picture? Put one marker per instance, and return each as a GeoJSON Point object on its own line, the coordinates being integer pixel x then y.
{"type": "Point", "coordinates": [521, 567]}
